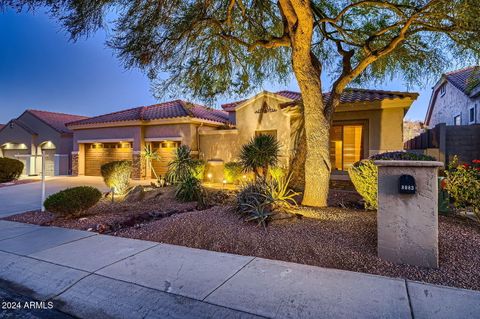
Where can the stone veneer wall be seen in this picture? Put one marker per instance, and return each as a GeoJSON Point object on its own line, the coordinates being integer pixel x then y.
{"type": "Point", "coordinates": [74, 164]}
{"type": "Point", "coordinates": [138, 165]}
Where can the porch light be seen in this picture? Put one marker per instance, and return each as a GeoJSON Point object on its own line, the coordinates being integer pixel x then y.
{"type": "Point", "coordinates": [209, 176]}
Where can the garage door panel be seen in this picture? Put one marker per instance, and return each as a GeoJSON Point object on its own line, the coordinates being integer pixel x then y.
{"type": "Point", "coordinates": [12, 153]}
{"type": "Point", "coordinates": [166, 153]}
{"type": "Point", "coordinates": [96, 157]}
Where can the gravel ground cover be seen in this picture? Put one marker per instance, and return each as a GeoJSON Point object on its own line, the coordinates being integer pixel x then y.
{"type": "Point", "coordinates": [342, 237]}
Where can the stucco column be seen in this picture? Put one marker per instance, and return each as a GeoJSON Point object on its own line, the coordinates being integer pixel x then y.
{"type": "Point", "coordinates": [407, 224]}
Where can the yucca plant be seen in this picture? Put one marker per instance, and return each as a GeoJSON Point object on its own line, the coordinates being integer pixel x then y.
{"type": "Point", "coordinates": [182, 166]}
{"type": "Point", "coordinates": [188, 189]}
{"type": "Point", "coordinates": [260, 152]}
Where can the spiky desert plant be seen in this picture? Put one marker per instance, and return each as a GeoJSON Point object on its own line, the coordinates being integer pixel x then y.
{"type": "Point", "coordinates": [182, 166]}
{"type": "Point", "coordinates": [150, 155]}
{"type": "Point", "coordinates": [260, 152]}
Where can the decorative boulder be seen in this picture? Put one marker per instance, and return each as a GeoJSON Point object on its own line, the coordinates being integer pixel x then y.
{"type": "Point", "coordinates": [136, 194]}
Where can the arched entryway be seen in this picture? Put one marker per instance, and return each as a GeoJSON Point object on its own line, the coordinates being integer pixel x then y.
{"type": "Point", "coordinates": [50, 150]}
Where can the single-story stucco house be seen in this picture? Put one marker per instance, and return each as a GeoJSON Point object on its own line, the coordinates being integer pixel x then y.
{"type": "Point", "coordinates": [365, 123]}
{"type": "Point", "coordinates": [123, 135]}
{"type": "Point", "coordinates": [34, 132]}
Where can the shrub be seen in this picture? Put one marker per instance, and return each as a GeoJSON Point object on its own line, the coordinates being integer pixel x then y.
{"type": "Point", "coordinates": [189, 189]}
{"type": "Point", "coordinates": [260, 152]}
{"type": "Point", "coordinates": [116, 175]}
{"type": "Point", "coordinates": [10, 169]}
{"type": "Point", "coordinates": [232, 172]}
{"type": "Point", "coordinates": [463, 185]}
{"type": "Point", "coordinates": [364, 174]}
{"type": "Point", "coordinates": [182, 166]}
{"type": "Point", "coordinates": [404, 156]}
{"type": "Point", "coordinates": [72, 201]}
{"type": "Point", "coordinates": [198, 169]}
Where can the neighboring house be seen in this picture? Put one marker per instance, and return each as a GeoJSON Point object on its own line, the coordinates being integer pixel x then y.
{"type": "Point", "coordinates": [34, 132]}
{"type": "Point", "coordinates": [124, 135]}
{"type": "Point", "coordinates": [455, 99]}
{"type": "Point", "coordinates": [365, 123]}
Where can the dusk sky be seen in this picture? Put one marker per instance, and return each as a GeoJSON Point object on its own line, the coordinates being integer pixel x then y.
{"type": "Point", "coordinates": [41, 69]}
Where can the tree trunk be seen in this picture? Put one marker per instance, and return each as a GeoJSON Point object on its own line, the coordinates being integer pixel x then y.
{"type": "Point", "coordinates": [307, 71]}
{"type": "Point", "coordinates": [317, 148]}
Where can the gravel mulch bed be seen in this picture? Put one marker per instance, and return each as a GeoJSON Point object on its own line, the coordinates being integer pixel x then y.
{"type": "Point", "coordinates": [105, 217]}
{"type": "Point", "coordinates": [339, 237]}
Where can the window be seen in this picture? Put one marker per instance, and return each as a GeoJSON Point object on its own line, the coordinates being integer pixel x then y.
{"type": "Point", "coordinates": [457, 120]}
{"type": "Point", "coordinates": [472, 114]}
{"type": "Point", "coordinates": [443, 89]}
{"type": "Point", "coordinates": [346, 145]}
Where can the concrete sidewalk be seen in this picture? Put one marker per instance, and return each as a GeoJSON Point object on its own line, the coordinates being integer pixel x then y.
{"type": "Point", "coordinates": [96, 276]}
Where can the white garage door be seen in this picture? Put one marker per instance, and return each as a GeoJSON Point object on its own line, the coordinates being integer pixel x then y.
{"type": "Point", "coordinates": [11, 153]}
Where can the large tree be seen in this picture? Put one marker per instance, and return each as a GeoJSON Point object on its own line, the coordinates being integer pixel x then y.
{"type": "Point", "coordinates": [206, 48]}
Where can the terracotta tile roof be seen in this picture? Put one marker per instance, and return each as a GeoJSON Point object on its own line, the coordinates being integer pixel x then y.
{"type": "Point", "coordinates": [167, 110]}
{"type": "Point", "coordinates": [465, 79]}
{"type": "Point", "coordinates": [56, 120]}
{"type": "Point", "coordinates": [349, 96]}
{"type": "Point", "coordinates": [2, 126]}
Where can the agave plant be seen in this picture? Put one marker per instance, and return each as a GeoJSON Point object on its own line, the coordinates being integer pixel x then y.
{"type": "Point", "coordinates": [260, 152]}
{"type": "Point", "coordinates": [282, 195]}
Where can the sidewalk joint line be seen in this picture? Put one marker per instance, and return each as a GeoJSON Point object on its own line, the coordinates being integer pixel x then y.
{"type": "Point", "coordinates": [34, 230]}
{"type": "Point", "coordinates": [69, 287]}
{"type": "Point", "coordinates": [409, 300]}
{"type": "Point", "coordinates": [176, 294]}
{"type": "Point", "coordinates": [241, 268]}
{"type": "Point", "coordinates": [134, 254]}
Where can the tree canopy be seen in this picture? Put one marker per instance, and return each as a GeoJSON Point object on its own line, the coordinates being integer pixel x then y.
{"type": "Point", "coordinates": [206, 48]}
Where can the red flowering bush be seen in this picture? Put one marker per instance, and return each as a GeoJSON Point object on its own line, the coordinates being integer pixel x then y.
{"type": "Point", "coordinates": [463, 185]}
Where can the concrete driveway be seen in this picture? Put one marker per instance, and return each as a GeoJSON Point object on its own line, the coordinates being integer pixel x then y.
{"type": "Point", "coordinates": [25, 197]}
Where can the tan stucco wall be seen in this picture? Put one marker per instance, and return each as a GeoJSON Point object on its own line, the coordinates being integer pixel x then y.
{"type": "Point", "coordinates": [248, 122]}
{"type": "Point", "coordinates": [222, 145]}
{"type": "Point", "coordinates": [119, 132]}
{"type": "Point", "coordinates": [187, 132]}
{"type": "Point", "coordinates": [385, 128]}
